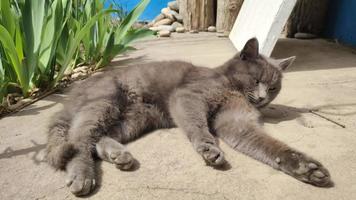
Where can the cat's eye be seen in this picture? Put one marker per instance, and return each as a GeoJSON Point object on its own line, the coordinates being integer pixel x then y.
{"type": "Point", "coordinates": [257, 81]}
{"type": "Point", "coordinates": [272, 89]}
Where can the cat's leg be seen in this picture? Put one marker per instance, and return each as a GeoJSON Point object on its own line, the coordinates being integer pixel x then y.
{"type": "Point", "coordinates": [81, 173]}
{"type": "Point", "coordinates": [189, 113]}
{"type": "Point", "coordinates": [112, 151]}
{"type": "Point", "coordinates": [58, 150]}
{"type": "Point", "coordinates": [90, 123]}
{"type": "Point", "coordinates": [137, 119]}
{"type": "Point", "coordinates": [237, 125]}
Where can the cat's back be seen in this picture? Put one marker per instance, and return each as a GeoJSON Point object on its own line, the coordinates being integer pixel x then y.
{"type": "Point", "coordinates": [154, 77]}
{"type": "Point", "coordinates": [158, 73]}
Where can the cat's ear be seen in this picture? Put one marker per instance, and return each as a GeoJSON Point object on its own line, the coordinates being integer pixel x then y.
{"type": "Point", "coordinates": [250, 50]}
{"type": "Point", "coordinates": [285, 63]}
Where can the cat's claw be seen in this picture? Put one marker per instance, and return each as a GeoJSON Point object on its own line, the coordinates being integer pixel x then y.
{"type": "Point", "coordinates": [212, 154]}
{"type": "Point", "coordinates": [122, 159]}
{"type": "Point", "coordinates": [305, 169]}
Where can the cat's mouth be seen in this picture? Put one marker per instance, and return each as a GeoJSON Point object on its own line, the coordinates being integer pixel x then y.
{"type": "Point", "coordinates": [257, 102]}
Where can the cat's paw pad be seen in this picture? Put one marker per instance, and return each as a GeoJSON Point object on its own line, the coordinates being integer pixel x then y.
{"type": "Point", "coordinates": [212, 154]}
{"type": "Point", "coordinates": [80, 184]}
{"type": "Point", "coordinates": [122, 159]}
{"type": "Point", "coordinates": [305, 169]}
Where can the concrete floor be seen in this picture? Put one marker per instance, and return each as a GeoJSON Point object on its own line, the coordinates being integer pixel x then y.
{"type": "Point", "coordinates": [323, 77]}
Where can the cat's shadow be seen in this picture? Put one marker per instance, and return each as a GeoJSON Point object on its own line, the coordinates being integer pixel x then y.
{"type": "Point", "coordinates": [224, 167]}
{"type": "Point", "coordinates": [276, 113]}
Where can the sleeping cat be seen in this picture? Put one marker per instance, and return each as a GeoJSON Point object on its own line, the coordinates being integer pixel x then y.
{"type": "Point", "coordinates": [108, 110]}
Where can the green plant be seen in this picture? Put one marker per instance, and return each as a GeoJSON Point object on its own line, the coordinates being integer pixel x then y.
{"type": "Point", "coordinates": [3, 81]}
{"type": "Point", "coordinates": [40, 39]}
{"type": "Point", "coordinates": [29, 35]}
{"type": "Point", "coordinates": [107, 39]}
{"type": "Point", "coordinates": [73, 42]}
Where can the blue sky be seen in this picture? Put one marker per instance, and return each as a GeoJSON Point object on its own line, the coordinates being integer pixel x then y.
{"type": "Point", "coordinates": [152, 10]}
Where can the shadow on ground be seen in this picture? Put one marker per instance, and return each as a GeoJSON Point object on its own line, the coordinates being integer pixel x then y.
{"type": "Point", "coordinates": [276, 113]}
{"type": "Point", "coordinates": [36, 149]}
{"type": "Point", "coordinates": [315, 54]}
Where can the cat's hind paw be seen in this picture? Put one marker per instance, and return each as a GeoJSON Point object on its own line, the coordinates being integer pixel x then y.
{"type": "Point", "coordinates": [80, 183]}
{"type": "Point", "coordinates": [305, 169]}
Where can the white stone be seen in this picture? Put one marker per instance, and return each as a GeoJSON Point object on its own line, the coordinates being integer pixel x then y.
{"type": "Point", "coordinates": [304, 36]}
{"type": "Point", "coordinates": [163, 22]}
{"type": "Point", "coordinates": [173, 5]}
{"type": "Point", "coordinates": [180, 29]}
{"type": "Point", "coordinates": [164, 33]}
{"type": "Point", "coordinates": [78, 75]}
{"type": "Point", "coordinates": [83, 69]}
{"type": "Point", "coordinates": [177, 16]}
{"type": "Point", "coordinates": [175, 25]}
{"type": "Point", "coordinates": [168, 13]}
{"type": "Point", "coordinates": [169, 28]}
{"type": "Point", "coordinates": [211, 29]}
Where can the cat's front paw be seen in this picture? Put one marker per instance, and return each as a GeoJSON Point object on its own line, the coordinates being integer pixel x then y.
{"type": "Point", "coordinates": [304, 168]}
{"type": "Point", "coordinates": [81, 181]}
{"type": "Point", "coordinates": [211, 154]}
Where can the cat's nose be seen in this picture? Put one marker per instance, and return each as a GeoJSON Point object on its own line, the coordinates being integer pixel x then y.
{"type": "Point", "coordinates": [261, 99]}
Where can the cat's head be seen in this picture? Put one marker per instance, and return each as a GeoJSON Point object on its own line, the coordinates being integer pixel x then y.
{"type": "Point", "coordinates": [259, 76]}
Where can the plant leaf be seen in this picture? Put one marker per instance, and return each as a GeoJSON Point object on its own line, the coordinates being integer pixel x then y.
{"type": "Point", "coordinates": [10, 49]}
{"type": "Point", "coordinates": [130, 19]}
{"type": "Point", "coordinates": [8, 18]}
{"type": "Point", "coordinates": [136, 34]}
{"type": "Point", "coordinates": [33, 18]}
{"type": "Point", "coordinates": [3, 81]}
{"type": "Point", "coordinates": [74, 43]}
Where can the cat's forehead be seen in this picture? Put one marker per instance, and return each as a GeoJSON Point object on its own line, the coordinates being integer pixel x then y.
{"type": "Point", "coordinates": [265, 71]}
{"type": "Point", "coordinates": [271, 74]}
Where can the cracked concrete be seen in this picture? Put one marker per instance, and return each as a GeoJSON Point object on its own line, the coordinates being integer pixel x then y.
{"type": "Point", "coordinates": [323, 79]}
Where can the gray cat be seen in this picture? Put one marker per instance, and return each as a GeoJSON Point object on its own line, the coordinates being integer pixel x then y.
{"type": "Point", "coordinates": [108, 110]}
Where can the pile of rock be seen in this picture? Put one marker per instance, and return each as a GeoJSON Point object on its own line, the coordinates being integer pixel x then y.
{"type": "Point", "coordinates": [169, 20]}
{"type": "Point", "coordinates": [80, 73]}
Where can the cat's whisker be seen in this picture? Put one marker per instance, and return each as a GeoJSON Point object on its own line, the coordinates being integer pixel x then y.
{"type": "Point", "coordinates": [251, 97]}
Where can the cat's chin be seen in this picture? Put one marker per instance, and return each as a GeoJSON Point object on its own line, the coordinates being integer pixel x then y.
{"type": "Point", "coordinates": [260, 105]}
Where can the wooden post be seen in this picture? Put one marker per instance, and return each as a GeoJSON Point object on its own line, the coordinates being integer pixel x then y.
{"type": "Point", "coordinates": [307, 17]}
{"type": "Point", "coordinates": [227, 11]}
{"type": "Point", "coordinates": [197, 14]}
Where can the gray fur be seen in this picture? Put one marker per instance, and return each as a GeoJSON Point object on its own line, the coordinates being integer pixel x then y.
{"type": "Point", "coordinates": [116, 107]}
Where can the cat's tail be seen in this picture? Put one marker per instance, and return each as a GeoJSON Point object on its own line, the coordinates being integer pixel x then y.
{"type": "Point", "coordinates": [59, 151]}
